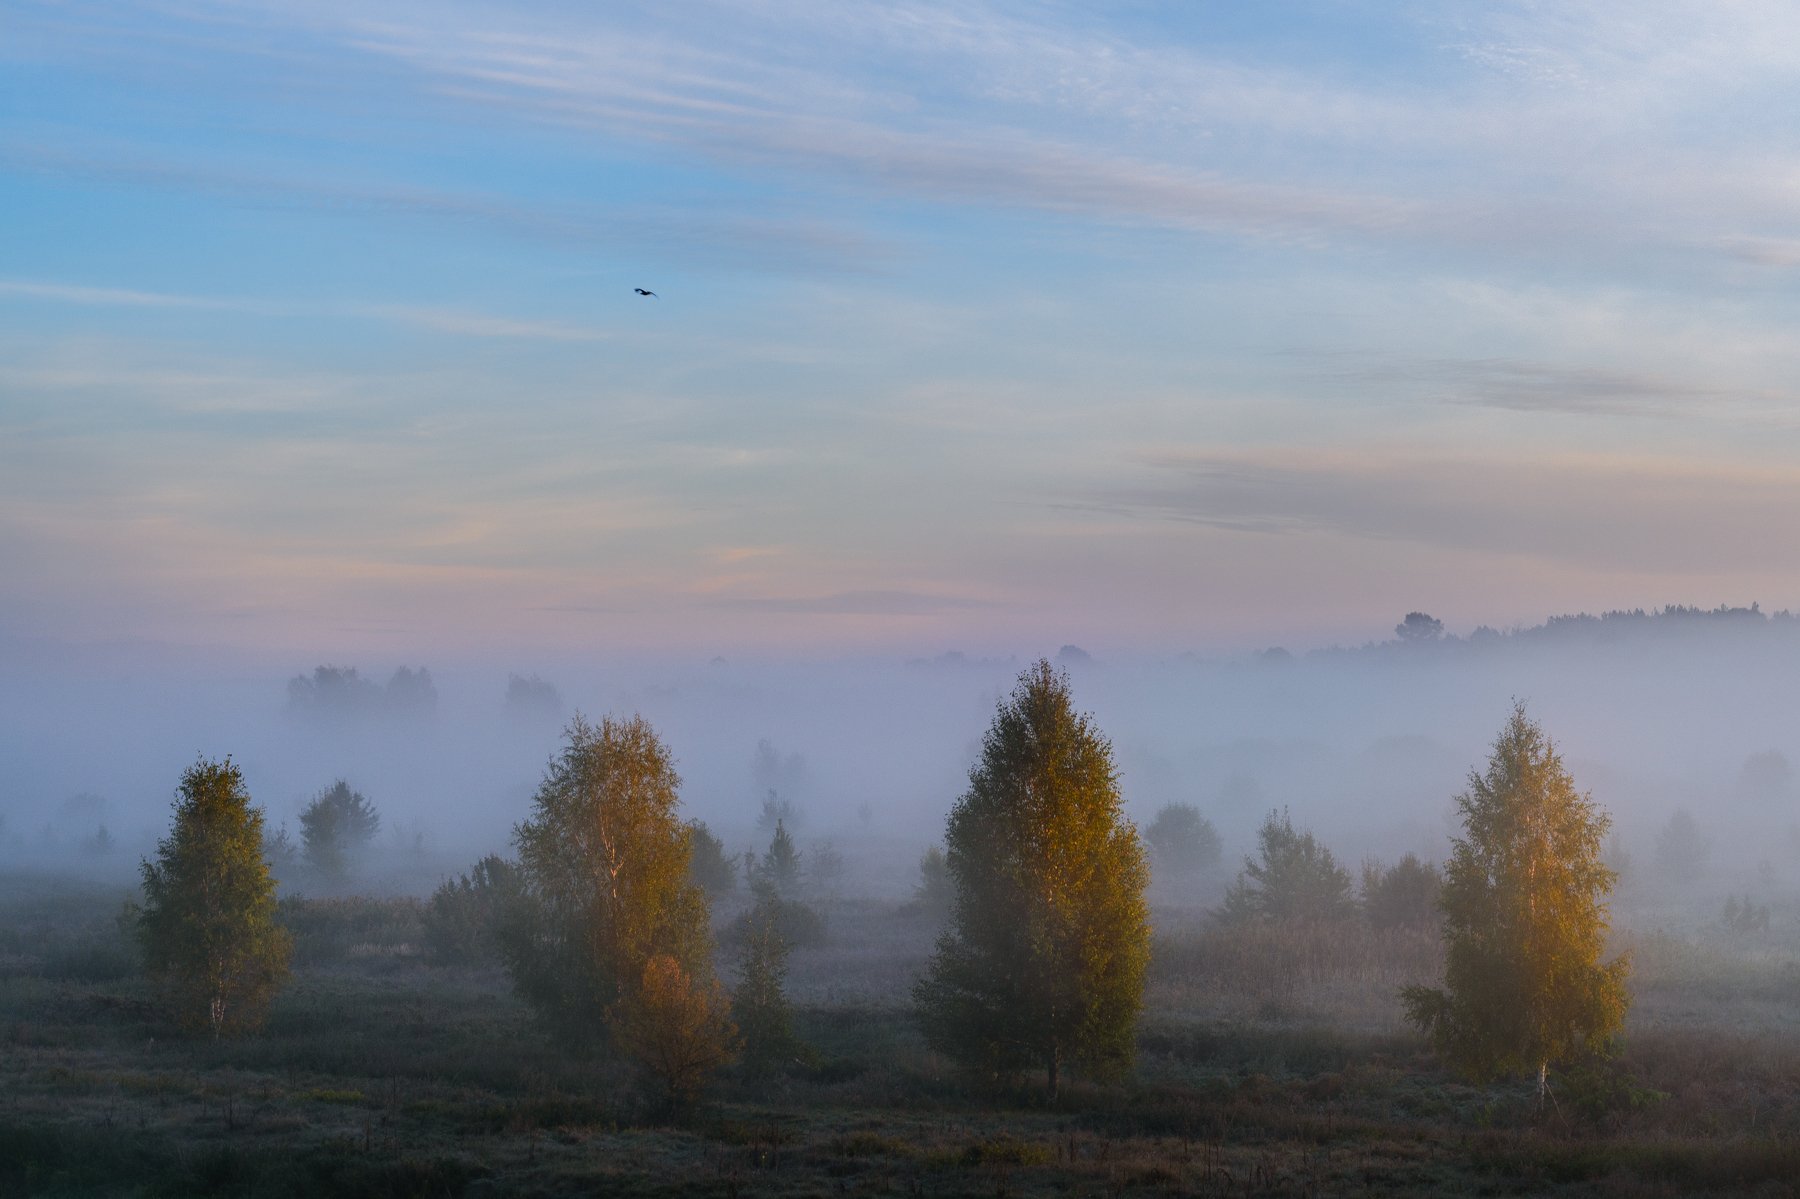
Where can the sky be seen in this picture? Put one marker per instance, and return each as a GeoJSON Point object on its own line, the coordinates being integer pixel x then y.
{"type": "Point", "coordinates": [985, 326]}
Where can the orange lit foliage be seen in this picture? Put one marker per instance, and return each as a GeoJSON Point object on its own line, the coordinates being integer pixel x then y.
{"type": "Point", "coordinates": [1524, 920]}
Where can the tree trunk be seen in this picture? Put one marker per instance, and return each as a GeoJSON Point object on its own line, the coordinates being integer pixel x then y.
{"type": "Point", "coordinates": [1543, 1082]}
{"type": "Point", "coordinates": [1050, 1065]}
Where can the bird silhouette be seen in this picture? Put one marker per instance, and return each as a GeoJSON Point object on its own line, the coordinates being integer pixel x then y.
{"type": "Point", "coordinates": [640, 291]}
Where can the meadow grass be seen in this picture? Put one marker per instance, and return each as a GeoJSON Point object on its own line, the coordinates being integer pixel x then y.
{"type": "Point", "coordinates": [1271, 1062]}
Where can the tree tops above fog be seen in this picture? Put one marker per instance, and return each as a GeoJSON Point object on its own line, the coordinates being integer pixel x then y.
{"type": "Point", "coordinates": [1420, 633]}
{"type": "Point", "coordinates": [337, 693]}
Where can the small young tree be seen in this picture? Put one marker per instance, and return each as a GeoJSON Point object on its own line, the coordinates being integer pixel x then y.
{"type": "Point", "coordinates": [335, 829]}
{"type": "Point", "coordinates": [1043, 960]}
{"type": "Point", "coordinates": [1524, 920]}
{"type": "Point", "coordinates": [604, 885]}
{"type": "Point", "coordinates": [760, 1004]}
{"type": "Point", "coordinates": [1183, 840]}
{"type": "Point", "coordinates": [208, 930]}
{"type": "Point", "coordinates": [1681, 848]}
{"type": "Point", "coordinates": [1297, 879]}
{"type": "Point", "coordinates": [780, 865]}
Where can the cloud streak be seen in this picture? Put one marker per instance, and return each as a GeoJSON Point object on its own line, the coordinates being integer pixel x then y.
{"type": "Point", "coordinates": [1654, 516]}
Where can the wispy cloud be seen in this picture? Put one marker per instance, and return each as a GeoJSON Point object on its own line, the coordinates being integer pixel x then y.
{"type": "Point", "coordinates": [1518, 385]}
{"type": "Point", "coordinates": [437, 320]}
{"type": "Point", "coordinates": [68, 293]}
{"type": "Point", "coordinates": [1589, 511]}
{"type": "Point", "coordinates": [852, 603]}
{"type": "Point", "coordinates": [680, 233]}
{"type": "Point", "coordinates": [475, 324]}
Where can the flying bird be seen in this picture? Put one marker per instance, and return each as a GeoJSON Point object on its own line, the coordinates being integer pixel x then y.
{"type": "Point", "coordinates": [640, 291]}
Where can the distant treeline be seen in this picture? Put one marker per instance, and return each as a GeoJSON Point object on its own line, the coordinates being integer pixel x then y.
{"type": "Point", "coordinates": [1419, 632]}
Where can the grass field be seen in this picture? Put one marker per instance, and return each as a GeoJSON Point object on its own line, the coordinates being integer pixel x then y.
{"type": "Point", "coordinates": [1271, 1064]}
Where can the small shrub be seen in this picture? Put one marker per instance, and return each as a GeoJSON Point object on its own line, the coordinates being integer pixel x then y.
{"type": "Point", "coordinates": [1599, 1090]}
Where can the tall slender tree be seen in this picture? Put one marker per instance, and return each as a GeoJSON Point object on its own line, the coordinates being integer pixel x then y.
{"type": "Point", "coordinates": [1525, 920]}
{"type": "Point", "coordinates": [208, 930]}
{"type": "Point", "coordinates": [1042, 963]}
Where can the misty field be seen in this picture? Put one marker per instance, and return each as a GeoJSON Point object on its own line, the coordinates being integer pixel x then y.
{"type": "Point", "coordinates": [1271, 1061]}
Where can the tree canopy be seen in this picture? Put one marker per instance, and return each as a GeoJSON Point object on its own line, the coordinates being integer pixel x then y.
{"type": "Point", "coordinates": [1525, 920]}
{"type": "Point", "coordinates": [1044, 955]}
{"type": "Point", "coordinates": [1296, 878]}
{"type": "Point", "coordinates": [335, 828]}
{"type": "Point", "coordinates": [604, 882]}
{"type": "Point", "coordinates": [208, 930]}
{"type": "Point", "coordinates": [1183, 840]}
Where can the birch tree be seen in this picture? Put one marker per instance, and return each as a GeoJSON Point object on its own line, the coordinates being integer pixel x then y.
{"type": "Point", "coordinates": [1042, 963]}
{"type": "Point", "coordinates": [210, 940]}
{"type": "Point", "coordinates": [604, 882]}
{"type": "Point", "coordinates": [1525, 920]}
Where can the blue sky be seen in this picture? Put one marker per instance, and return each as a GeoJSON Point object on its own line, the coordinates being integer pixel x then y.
{"type": "Point", "coordinates": [982, 325]}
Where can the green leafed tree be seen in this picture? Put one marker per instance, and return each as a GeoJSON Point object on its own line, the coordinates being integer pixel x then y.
{"type": "Point", "coordinates": [780, 865]}
{"type": "Point", "coordinates": [1183, 840]}
{"type": "Point", "coordinates": [210, 940]}
{"type": "Point", "coordinates": [603, 883]}
{"type": "Point", "coordinates": [1042, 962]}
{"type": "Point", "coordinates": [760, 1004]}
{"type": "Point", "coordinates": [712, 870]}
{"type": "Point", "coordinates": [1525, 920]}
{"type": "Point", "coordinates": [1293, 878]}
{"type": "Point", "coordinates": [466, 915]}
{"type": "Point", "coordinates": [1404, 895]}
{"type": "Point", "coordinates": [335, 829]}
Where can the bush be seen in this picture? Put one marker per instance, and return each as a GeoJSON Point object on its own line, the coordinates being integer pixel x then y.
{"type": "Point", "coordinates": [463, 923]}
